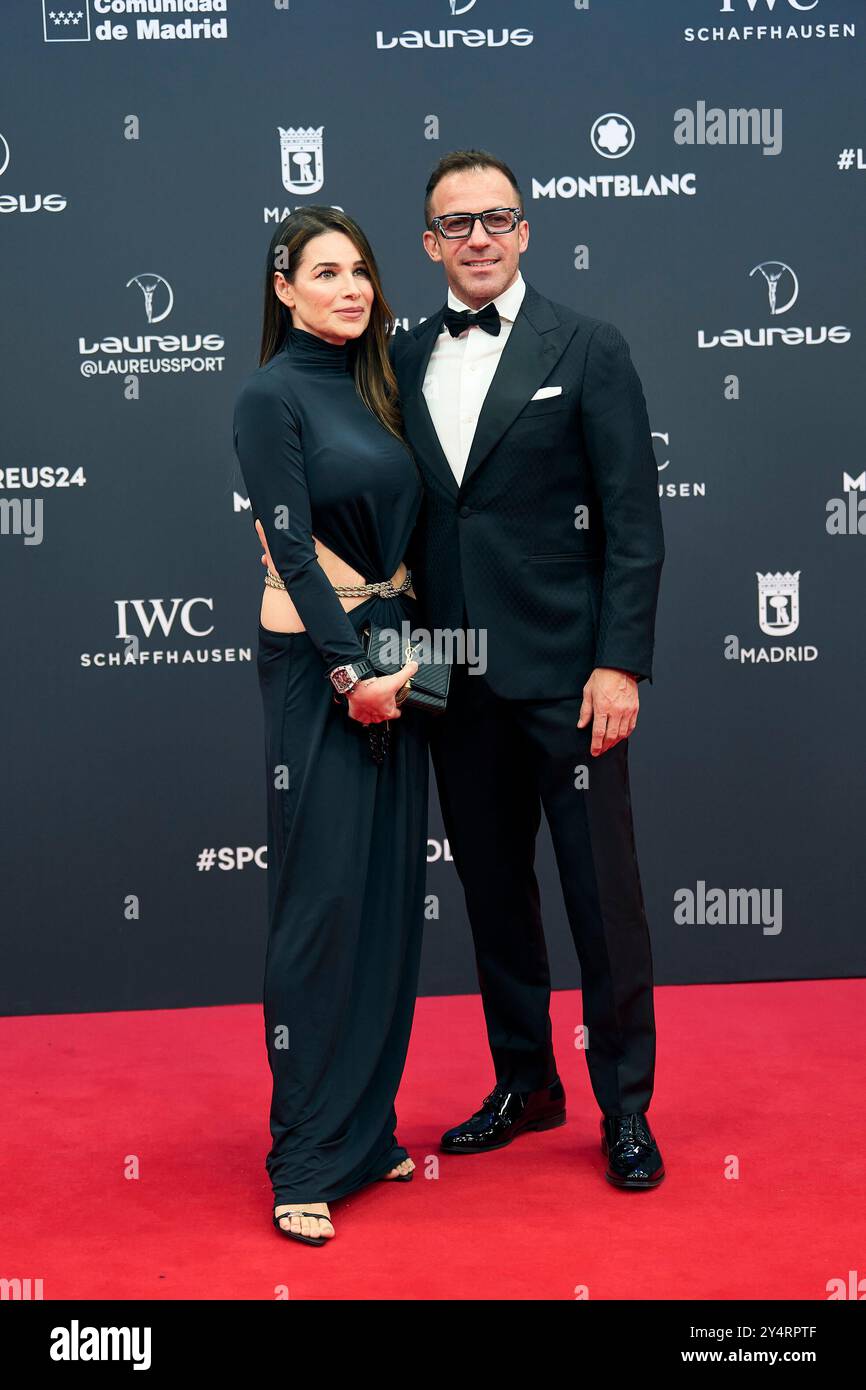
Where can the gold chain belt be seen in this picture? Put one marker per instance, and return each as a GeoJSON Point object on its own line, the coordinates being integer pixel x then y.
{"type": "Point", "coordinates": [383, 587]}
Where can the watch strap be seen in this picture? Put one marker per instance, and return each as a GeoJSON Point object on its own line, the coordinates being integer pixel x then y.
{"type": "Point", "coordinates": [346, 676]}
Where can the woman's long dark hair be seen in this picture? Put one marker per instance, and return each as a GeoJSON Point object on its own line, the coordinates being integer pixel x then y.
{"type": "Point", "coordinates": [371, 365]}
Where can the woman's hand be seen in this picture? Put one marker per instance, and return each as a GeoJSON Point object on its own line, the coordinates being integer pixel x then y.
{"type": "Point", "coordinates": [266, 558]}
{"type": "Point", "coordinates": [372, 701]}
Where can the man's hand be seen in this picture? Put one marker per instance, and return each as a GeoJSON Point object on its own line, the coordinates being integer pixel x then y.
{"type": "Point", "coordinates": [611, 700]}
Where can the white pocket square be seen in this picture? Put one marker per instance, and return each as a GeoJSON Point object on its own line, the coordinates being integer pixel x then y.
{"type": "Point", "coordinates": [543, 392]}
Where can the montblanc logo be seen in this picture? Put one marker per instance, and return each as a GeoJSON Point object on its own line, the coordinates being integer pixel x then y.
{"type": "Point", "coordinates": [26, 202]}
{"type": "Point", "coordinates": [778, 616]}
{"type": "Point", "coordinates": [71, 24]}
{"type": "Point", "coordinates": [782, 289]}
{"type": "Point", "coordinates": [784, 24]}
{"type": "Point", "coordinates": [456, 38]}
{"type": "Point", "coordinates": [612, 136]}
{"type": "Point", "coordinates": [146, 353]}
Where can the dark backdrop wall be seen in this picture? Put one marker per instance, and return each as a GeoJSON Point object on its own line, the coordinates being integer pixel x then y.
{"type": "Point", "coordinates": [694, 172]}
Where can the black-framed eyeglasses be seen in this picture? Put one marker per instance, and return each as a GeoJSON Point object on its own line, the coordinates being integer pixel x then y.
{"type": "Point", "coordinates": [495, 221]}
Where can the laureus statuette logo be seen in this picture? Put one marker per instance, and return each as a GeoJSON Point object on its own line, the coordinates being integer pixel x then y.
{"type": "Point", "coordinates": [157, 292]}
{"type": "Point", "coordinates": [774, 272]}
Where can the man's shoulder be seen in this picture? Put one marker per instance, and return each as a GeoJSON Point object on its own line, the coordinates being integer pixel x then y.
{"type": "Point", "coordinates": [539, 306]}
{"type": "Point", "coordinates": [405, 342]}
{"type": "Point", "coordinates": [403, 336]}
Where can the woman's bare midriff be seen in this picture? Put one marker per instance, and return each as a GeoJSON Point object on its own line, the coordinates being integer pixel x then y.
{"type": "Point", "coordinates": [279, 613]}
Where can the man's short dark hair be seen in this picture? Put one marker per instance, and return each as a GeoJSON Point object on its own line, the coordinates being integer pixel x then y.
{"type": "Point", "coordinates": [459, 161]}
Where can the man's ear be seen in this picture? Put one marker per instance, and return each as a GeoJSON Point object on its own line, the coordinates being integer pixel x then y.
{"type": "Point", "coordinates": [431, 246]}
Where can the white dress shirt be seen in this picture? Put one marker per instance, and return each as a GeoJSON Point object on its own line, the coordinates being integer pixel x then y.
{"type": "Point", "coordinates": [459, 374]}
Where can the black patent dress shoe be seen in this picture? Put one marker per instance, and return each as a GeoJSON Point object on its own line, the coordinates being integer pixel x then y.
{"type": "Point", "coordinates": [633, 1158]}
{"type": "Point", "coordinates": [503, 1115]}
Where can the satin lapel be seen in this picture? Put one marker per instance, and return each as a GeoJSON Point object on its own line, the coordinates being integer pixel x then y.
{"type": "Point", "coordinates": [418, 422]}
{"type": "Point", "coordinates": [536, 342]}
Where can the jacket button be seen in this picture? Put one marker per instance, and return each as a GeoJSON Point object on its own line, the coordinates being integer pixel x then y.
{"type": "Point", "coordinates": [465, 511]}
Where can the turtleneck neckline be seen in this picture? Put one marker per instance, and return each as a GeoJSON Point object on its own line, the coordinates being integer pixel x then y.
{"type": "Point", "coordinates": [310, 350]}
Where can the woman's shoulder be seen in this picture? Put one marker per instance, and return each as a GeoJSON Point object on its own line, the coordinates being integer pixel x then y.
{"type": "Point", "coordinates": [274, 381]}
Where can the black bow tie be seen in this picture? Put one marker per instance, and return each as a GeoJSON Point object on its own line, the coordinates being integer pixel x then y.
{"type": "Point", "coordinates": [486, 318]}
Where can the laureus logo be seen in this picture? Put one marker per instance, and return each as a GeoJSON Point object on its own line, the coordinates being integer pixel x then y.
{"type": "Point", "coordinates": [783, 288]}
{"type": "Point", "coordinates": [167, 352]}
{"type": "Point", "coordinates": [776, 273]}
{"type": "Point", "coordinates": [156, 290]}
{"type": "Point", "coordinates": [452, 38]}
{"type": "Point", "coordinates": [26, 202]}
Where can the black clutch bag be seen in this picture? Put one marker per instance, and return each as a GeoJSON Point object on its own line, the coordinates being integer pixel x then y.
{"type": "Point", "coordinates": [428, 688]}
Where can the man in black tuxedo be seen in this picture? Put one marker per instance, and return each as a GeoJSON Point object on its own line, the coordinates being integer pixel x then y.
{"type": "Point", "coordinates": [541, 527]}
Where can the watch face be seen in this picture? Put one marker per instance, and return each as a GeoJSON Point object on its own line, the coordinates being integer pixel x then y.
{"type": "Point", "coordinates": [343, 678]}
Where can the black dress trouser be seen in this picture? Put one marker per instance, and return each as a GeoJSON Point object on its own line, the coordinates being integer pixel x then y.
{"type": "Point", "coordinates": [497, 763]}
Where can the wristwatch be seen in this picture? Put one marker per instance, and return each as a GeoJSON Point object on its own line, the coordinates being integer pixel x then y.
{"type": "Point", "coordinates": [345, 678]}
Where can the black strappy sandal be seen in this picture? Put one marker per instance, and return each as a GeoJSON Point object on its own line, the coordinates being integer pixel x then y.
{"type": "Point", "coordinates": [296, 1235]}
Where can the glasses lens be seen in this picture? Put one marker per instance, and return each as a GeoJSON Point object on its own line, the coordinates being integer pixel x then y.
{"type": "Point", "coordinates": [456, 225]}
{"type": "Point", "coordinates": [499, 221]}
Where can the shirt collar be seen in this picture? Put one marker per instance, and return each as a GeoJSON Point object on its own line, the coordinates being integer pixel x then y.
{"type": "Point", "coordinates": [506, 303]}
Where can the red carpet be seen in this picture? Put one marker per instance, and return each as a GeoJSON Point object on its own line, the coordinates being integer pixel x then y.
{"type": "Point", "coordinates": [771, 1074]}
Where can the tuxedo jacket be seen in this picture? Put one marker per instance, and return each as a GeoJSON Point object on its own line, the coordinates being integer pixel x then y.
{"type": "Point", "coordinates": [553, 541]}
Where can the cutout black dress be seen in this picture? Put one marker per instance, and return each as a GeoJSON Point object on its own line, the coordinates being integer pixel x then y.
{"type": "Point", "coordinates": [347, 837]}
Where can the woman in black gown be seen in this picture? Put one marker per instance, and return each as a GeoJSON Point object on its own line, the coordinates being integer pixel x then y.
{"type": "Point", "coordinates": [335, 492]}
